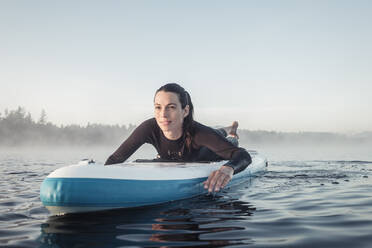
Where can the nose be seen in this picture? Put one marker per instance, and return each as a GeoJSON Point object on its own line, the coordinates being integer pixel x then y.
{"type": "Point", "coordinates": [163, 112]}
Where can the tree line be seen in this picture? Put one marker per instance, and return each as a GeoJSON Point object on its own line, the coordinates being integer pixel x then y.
{"type": "Point", "coordinates": [18, 128]}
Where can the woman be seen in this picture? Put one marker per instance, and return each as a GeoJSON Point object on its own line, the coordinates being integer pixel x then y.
{"type": "Point", "coordinates": [176, 136]}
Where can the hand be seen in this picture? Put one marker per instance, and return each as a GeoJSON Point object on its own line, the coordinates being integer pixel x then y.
{"type": "Point", "coordinates": [218, 179]}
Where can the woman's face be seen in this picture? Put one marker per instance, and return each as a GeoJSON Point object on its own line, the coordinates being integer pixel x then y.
{"type": "Point", "coordinates": [168, 111]}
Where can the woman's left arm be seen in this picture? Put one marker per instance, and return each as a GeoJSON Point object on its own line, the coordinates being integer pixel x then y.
{"type": "Point", "coordinates": [238, 158]}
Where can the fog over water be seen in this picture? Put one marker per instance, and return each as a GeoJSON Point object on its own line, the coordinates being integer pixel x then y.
{"type": "Point", "coordinates": [273, 152]}
{"type": "Point", "coordinates": [19, 132]}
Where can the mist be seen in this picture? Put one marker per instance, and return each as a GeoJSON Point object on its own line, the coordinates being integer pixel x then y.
{"type": "Point", "coordinates": [19, 132]}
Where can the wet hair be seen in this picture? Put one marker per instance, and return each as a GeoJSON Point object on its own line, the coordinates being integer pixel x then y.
{"type": "Point", "coordinates": [185, 99]}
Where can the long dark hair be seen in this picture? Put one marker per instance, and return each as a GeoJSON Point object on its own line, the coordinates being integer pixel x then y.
{"type": "Point", "coordinates": [185, 99]}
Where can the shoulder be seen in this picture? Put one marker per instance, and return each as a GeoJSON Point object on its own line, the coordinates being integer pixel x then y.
{"type": "Point", "coordinates": [149, 123]}
{"type": "Point", "coordinates": [147, 126]}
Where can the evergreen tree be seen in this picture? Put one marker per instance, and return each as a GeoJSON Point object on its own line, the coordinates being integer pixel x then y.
{"type": "Point", "coordinates": [43, 118]}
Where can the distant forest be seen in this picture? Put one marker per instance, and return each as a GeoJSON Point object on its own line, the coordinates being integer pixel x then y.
{"type": "Point", "coordinates": [18, 128]}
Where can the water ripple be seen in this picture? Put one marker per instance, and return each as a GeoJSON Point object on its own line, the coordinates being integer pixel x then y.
{"type": "Point", "coordinates": [295, 204]}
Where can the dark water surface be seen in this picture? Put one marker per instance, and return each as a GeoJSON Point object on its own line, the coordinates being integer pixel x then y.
{"type": "Point", "coordinates": [306, 203]}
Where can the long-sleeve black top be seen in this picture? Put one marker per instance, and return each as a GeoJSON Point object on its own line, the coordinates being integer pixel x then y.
{"type": "Point", "coordinates": [203, 136]}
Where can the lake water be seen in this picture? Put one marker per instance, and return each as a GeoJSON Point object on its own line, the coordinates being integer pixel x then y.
{"type": "Point", "coordinates": [298, 202]}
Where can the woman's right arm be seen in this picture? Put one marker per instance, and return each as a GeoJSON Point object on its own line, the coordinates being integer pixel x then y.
{"type": "Point", "coordinates": [138, 137]}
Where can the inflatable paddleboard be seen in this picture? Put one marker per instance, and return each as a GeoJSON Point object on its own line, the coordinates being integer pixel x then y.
{"type": "Point", "coordinates": [89, 186]}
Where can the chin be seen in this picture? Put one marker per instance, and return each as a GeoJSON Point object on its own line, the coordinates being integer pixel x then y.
{"type": "Point", "coordinates": [167, 129]}
{"type": "Point", "coordinates": [164, 128]}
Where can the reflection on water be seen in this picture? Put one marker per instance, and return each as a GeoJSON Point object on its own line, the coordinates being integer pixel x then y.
{"type": "Point", "coordinates": [183, 223]}
{"type": "Point", "coordinates": [296, 203]}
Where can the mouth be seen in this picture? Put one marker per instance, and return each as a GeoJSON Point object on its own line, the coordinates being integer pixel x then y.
{"type": "Point", "coordinates": [165, 123]}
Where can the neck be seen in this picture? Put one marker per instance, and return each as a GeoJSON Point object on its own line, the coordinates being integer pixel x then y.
{"type": "Point", "coordinates": [173, 135]}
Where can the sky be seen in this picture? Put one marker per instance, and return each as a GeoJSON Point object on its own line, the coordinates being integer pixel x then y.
{"type": "Point", "coordinates": [272, 65]}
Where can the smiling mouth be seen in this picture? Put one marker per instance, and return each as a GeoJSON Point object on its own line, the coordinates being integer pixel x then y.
{"type": "Point", "coordinates": [166, 123]}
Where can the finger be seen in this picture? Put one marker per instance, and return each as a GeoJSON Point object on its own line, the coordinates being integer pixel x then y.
{"type": "Point", "coordinates": [208, 181]}
{"type": "Point", "coordinates": [213, 181]}
{"type": "Point", "coordinates": [219, 182]}
{"type": "Point", "coordinates": [225, 181]}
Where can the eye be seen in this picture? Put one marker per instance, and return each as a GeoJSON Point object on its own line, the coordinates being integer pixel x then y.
{"type": "Point", "coordinates": [157, 107]}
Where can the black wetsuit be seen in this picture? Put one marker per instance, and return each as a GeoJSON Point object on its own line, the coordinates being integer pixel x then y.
{"type": "Point", "coordinates": [203, 136]}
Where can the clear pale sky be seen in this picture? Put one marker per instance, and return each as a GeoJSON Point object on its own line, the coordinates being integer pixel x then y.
{"type": "Point", "coordinates": [272, 65]}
